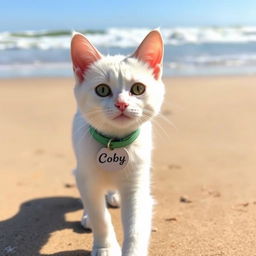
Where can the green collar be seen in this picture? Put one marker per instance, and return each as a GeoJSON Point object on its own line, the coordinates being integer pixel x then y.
{"type": "Point", "coordinates": [113, 143]}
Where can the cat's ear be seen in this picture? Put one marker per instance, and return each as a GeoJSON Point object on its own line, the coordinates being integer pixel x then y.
{"type": "Point", "coordinates": [83, 54]}
{"type": "Point", "coordinates": [151, 51]}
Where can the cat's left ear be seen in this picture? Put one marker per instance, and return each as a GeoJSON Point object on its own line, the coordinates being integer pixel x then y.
{"type": "Point", "coordinates": [151, 51]}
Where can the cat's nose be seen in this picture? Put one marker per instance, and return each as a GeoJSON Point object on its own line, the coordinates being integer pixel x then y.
{"type": "Point", "coordinates": [121, 105]}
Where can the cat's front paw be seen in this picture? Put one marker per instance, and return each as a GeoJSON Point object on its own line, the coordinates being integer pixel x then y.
{"type": "Point", "coordinates": [115, 251]}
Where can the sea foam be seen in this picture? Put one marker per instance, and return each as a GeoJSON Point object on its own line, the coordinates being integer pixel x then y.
{"type": "Point", "coordinates": [126, 37]}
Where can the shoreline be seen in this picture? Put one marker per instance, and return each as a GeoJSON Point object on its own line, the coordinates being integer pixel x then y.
{"type": "Point", "coordinates": [220, 76]}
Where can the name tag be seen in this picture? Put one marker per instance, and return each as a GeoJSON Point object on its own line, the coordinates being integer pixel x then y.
{"type": "Point", "coordinates": [112, 160]}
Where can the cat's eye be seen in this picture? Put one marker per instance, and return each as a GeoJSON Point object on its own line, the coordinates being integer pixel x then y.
{"type": "Point", "coordinates": [103, 90]}
{"type": "Point", "coordinates": [138, 89]}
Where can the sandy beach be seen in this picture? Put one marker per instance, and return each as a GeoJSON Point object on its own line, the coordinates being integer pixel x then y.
{"type": "Point", "coordinates": [204, 178]}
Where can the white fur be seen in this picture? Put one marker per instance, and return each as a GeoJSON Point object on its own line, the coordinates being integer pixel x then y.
{"type": "Point", "coordinates": [133, 182]}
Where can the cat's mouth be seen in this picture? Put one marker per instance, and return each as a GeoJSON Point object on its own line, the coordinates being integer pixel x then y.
{"type": "Point", "coordinates": [122, 117]}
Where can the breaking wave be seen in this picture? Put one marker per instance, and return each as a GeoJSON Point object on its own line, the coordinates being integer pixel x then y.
{"type": "Point", "coordinates": [126, 37]}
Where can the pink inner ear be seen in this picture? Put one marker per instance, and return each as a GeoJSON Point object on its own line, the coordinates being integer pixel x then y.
{"type": "Point", "coordinates": [83, 54]}
{"type": "Point", "coordinates": [151, 52]}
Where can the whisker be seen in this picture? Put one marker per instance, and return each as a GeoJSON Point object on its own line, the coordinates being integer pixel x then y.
{"type": "Point", "coordinates": [159, 126]}
{"type": "Point", "coordinates": [77, 130]}
{"type": "Point", "coordinates": [83, 135]}
{"type": "Point", "coordinates": [85, 132]}
{"type": "Point", "coordinates": [167, 121]}
{"type": "Point", "coordinates": [160, 115]}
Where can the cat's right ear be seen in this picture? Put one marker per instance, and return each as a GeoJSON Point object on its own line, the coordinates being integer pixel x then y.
{"type": "Point", "coordinates": [83, 54]}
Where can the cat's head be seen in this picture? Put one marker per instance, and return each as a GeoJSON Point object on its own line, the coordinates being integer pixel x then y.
{"type": "Point", "coordinates": [116, 94]}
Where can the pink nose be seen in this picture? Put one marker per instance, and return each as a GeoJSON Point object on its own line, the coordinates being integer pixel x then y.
{"type": "Point", "coordinates": [121, 105]}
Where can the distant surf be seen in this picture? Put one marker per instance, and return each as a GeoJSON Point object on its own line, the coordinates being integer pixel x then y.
{"type": "Point", "coordinates": [188, 51]}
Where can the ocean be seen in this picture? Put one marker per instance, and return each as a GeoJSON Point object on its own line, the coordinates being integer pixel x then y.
{"type": "Point", "coordinates": [188, 51]}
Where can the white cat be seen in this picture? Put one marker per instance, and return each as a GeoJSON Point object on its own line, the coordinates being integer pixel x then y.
{"type": "Point", "coordinates": [117, 96]}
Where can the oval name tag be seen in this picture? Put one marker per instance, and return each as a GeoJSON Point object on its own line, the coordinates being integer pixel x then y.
{"type": "Point", "coordinates": [112, 160]}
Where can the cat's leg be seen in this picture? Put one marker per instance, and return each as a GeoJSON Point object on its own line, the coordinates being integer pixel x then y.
{"type": "Point", "coordinates": [136, 208]}
{"type": "Point", "coordinates": [85, 222]}
{"type": "Point", "coordinates": [92, 195]}
{"type": "Point", "coordinates": [113, 199]}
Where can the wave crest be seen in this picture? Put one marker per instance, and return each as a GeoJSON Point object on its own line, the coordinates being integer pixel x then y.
{"type": "Point", "coordinates": [126, 37]}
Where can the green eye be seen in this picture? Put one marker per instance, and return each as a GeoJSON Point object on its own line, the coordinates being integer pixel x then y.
{"type": "Point", "coordinates": [138, 89]}
{"type": "Point", "coordinates": [103, 90]}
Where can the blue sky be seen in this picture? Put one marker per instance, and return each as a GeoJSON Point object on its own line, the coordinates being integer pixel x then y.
{"type": "Point", "coordinates": [99, 14]}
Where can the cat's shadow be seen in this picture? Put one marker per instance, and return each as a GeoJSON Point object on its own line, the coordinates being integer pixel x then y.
{"type": "Point", "coordinates": [28, 231]}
